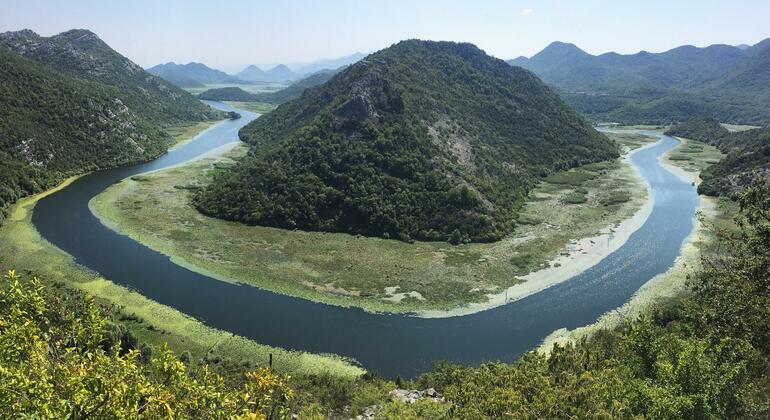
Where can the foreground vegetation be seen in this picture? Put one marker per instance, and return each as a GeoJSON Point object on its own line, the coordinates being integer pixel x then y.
{"type": "Point", "coordinates": [706, 355]}
{"type": "Point", "coordinates": [374, 273]}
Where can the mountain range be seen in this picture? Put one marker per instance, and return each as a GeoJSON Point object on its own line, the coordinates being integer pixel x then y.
{"type": "Point", "coordinates": [192, 74]}
{"type": "Point", "coordinates": [724, 81]}
{"type": "Point", "coordinates": [70, 104]}
{"type": "Point", "coordinates": [80, 53]}
{"type": "Point", "coordinates": [423, 140]}
{"type": "Point", "coordinates": [197, 74]}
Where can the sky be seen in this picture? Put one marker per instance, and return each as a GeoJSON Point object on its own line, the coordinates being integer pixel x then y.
{"type": "Point", "coordinates": [230, 34]}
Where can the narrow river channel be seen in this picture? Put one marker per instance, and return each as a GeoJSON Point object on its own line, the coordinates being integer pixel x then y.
{"type": "Point", "coordinates": [388, 344]}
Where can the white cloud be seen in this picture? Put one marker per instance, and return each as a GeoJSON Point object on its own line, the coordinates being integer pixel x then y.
{"type": "Point", "coordinates": [526, 12]}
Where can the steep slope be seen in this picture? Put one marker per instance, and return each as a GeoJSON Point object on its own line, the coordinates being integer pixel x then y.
{"type": "Point", "coordinates": [192, 74]}
{"type": "Point", "coordinates": [747, 160]}
{"type": "Point", "coordinates": [82, 54]}
{"type": "Point", "coordinates": [719, 80]}
{"type": "Point", "coordinates": [424, 140]}
{"type": "Point", "coordinates": [53, 125]}
{"type": "Point", "coordinates": [748, 155]}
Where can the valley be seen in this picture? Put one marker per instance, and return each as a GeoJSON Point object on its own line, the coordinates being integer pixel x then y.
{"type": "Point", "coordinates": [372, 273]}
{"type": "Point", "coordinates": [283, 228]}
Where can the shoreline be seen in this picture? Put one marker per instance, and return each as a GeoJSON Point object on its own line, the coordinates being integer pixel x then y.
{"type": "Point", "coordinates": [664, 285]}
{"type": "Point", "coordinates": [584, 252]}
{"type": "Point", "coordinates": [591, 251]}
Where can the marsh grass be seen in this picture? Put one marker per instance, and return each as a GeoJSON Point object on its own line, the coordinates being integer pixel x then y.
{"type": "Point", "coordinates": [715, 214]}
{"type": "Point", "coordinates": [350, 270]}
{"type": "Point", "coordinates": [693, 156]}
{"type": "Point", "coordinates": [258, 107]}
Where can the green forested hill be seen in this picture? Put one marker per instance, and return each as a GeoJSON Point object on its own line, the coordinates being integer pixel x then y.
{"type": "Point", "coordinates": [82, 54]}
{"type": "Point", "coordinates": [424, 140]}
{"type": "Point", "coordinates": [53, 125]}
{"type": "Point", "coordinates": [701, 128]}
{"type": "Point", "coordinates": [70, 104]}
{"type": "Point", "coordinates": [659, 88]}
{"type": "Point", "coordinates": [748, 155]}
{"type": "Point", "coordinates": [230, 93]}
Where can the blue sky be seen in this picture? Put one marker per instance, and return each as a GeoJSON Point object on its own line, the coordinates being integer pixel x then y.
{"type": "Point", "coordinates": [228, 34]}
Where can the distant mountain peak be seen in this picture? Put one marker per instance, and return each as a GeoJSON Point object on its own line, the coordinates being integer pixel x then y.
{"type": "Point", "coordinates": [559, 46]}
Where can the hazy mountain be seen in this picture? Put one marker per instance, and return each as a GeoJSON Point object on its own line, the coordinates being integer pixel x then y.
{"type": "Point", "coordinates": [82, 54]}
{"type": "Point", "coordinates": [426, 140]}
{"type": "Point", "coordinates": [329, 64]}
{"type": "Point", "coordinates": [192, 74]}
{"type": "Point", "coordinates": [279, 73]}
{"type": "Point", "coordinates": [658, 87]}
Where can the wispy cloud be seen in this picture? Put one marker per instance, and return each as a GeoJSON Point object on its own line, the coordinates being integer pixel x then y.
{"type": "Point", "coordinates": [526, 12]}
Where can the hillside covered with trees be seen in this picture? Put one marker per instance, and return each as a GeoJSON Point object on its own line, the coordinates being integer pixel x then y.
{"type": "Point", "coordinates": [722, 81]}
{"type": "Point", "coordinates": [80, 53]}
{"type": "Point", "coordinates": [748, 155]}
{"type": "Point", "coordinates": [422, 140]}
{"type": "Point", "coordinates": [70, 104]}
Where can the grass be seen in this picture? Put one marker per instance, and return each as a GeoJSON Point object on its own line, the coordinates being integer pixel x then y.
{"type": "Point", "coordinates": [631, 140]}
{"type": "Point", "coordinates": [258, 107]}
{"type": "Point", "coordinates": [185, 132]}
{"type": "Point", "coordinates": [23, 249]}
{"type": "Point", "coordinates": [714, 214]}
{"type": "Point", "coordinates": [371, 273]}
{"type": "Point", "coordinates": [693, 156]}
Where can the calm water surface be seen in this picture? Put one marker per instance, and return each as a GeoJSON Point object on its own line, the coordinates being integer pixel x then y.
{"type": "Point", "coordinates": [388, 344]}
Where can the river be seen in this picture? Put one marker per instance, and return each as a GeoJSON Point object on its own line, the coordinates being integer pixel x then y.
{"type": "Point", "coordinates": [389, 344]}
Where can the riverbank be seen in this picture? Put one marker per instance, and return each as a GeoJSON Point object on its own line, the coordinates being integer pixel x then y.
{"type": "Point", "coordinates": [376, 274]}
{"type": "Point", "coordinates": [184, 133]}
{"type": "Point", "coordinates": [24, 250]}
{"type": "Point", "coordinates": [582, 254]}
{"type": "Point", "coordinates": [673, 283]}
